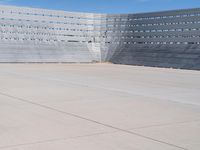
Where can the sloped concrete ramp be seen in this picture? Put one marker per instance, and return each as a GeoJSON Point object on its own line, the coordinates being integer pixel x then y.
{"type": "Point", "coordinates": [98, 107]}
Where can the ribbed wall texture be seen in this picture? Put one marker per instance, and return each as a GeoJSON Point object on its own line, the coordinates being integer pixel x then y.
{"type": "Point", "coordinates": [37, 35]}
{"type": "Point", "coordinates": [162, 39]}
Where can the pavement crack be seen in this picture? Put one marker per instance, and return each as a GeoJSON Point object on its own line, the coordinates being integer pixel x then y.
{"type": "Point", "coordinates": [164, 124]}
{"type": "Point", "coordinates": [53, 140]}
{"type": "Point", "coordinates": [91, 120]}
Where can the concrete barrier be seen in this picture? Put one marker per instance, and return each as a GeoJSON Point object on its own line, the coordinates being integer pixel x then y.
{"type": "Point", "coordinates": [162, 39]}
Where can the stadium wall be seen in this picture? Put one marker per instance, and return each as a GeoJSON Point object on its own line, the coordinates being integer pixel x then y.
{"type": "Point", "coordinates": [161, 39]}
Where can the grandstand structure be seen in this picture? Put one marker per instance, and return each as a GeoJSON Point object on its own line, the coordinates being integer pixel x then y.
{"type": "Point", "coordinates": [160, 39]}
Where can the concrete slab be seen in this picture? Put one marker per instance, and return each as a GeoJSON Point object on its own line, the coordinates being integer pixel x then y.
{"type": "Point", "coordinates": [25, 123]}
{"type": "Point", "coordinates": [98, 106]}
{"type": "Point", "coordinates": [116, 141]}
{"type": "Point", "coordinates": [185, 134]}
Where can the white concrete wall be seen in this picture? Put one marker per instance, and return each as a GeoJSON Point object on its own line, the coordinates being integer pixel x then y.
{"type": "Point", "coordinates": [38, 35]}
{"type": "Point", "coordinates": [162, 39]}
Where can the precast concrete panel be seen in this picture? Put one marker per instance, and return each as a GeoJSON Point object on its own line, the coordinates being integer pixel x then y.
{"type": "Point", "coordinates": [38, 35]}
{"type": "Point", "coordinates": [160, 39]}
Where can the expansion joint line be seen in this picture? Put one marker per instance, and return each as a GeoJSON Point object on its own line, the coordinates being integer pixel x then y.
{"type": "Point", "coordinates": [91, 120]}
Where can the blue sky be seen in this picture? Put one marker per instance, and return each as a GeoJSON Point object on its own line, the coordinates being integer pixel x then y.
{"type": "Point", "coordinates": [107, 6]}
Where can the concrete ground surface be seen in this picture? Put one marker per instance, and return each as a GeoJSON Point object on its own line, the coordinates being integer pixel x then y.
{"type": "Point", "coordinates": [98, 107]}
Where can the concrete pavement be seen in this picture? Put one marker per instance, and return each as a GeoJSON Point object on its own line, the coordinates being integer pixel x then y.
{"type": "Point", "coordinates": [98, 106]}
